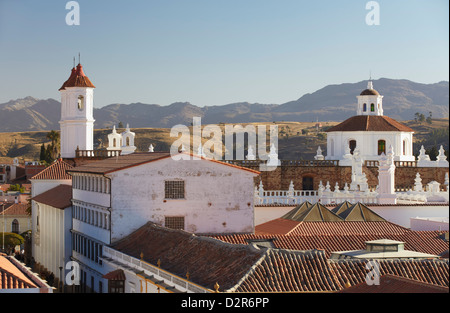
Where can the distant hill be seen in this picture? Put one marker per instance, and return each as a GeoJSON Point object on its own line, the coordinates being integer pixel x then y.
{"type": "Point", "coordinates": [402, 99]}
{"type": "Point", "coordinates": [296, 140]}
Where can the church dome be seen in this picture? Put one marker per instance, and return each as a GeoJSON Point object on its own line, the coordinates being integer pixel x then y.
{"type": "Point", "coordinates": [369, 92]}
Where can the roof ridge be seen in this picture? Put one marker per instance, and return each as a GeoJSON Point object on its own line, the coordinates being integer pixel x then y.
{"type": "Point", "coordinates": [293, 228]}
{"type": "Point", "coordinates": [251, 270]}
{"type": "Point", "coordinates": [52, 169]}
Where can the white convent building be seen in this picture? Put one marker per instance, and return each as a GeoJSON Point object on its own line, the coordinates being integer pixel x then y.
{"type": "Point", "coordinates": [80, 206]}
{"type": "Point", "coordinates": [370, 132]}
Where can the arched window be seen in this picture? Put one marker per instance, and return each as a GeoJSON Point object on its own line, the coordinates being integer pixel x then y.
{"type": "Point", "coordinates": [114, 143]}
{"type": "Point", "coordinates": [381, 146]}
{"type": "Point", "coordinates": [372, 107]}
{"type": "Point", "coordinates": [15, 226]}
{"type": "Point", "coordinates": [404, 146]}
{"type": "Point", "coordinates": [364, 107]}
{"type": "Point", "coordinates": [128, 141]}
{"type": "Point", "coordinates": [331, 147]}
{"type": "Point", "coordinates": [80, 102]}
{"type": "Point", "coordinates": [352, 145]}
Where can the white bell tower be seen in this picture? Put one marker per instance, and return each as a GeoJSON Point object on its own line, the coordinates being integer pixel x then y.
{"type": "Point", "coordinates": [370, 102]}
{"type": "Point", "coordinates": [77, 121]}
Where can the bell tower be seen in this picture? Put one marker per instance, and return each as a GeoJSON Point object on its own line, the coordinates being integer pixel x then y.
{"type": "Point", "coordinates": [370, 102]}
{"type": "Point", "coordinates": [77, 121]}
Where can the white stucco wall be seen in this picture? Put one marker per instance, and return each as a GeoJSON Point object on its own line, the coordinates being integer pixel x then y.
{"type": "Point", "coordinates": [401, 214]}
{"type": "Point", "coordinates": [77, 126]}
{"type": "Point", "coordinates": [51, 243]}
{"type": "Point", "coordinates": [219, 198]}
{"type": "Point", "coordinates": [39, 186]}
{"type": "Point", "coordinates": [367, 142]}
{"type": "Point", "coordinates": [429, 223]}
{"type": "Point", "coordinates": [398, 214]}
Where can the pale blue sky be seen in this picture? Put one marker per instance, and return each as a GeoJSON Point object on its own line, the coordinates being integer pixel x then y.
{"type": "Point", "coordinates": [214, 52]}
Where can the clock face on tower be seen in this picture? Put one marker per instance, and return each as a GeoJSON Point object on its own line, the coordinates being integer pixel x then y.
{"type": "Point", "coordinates": [80, 103]}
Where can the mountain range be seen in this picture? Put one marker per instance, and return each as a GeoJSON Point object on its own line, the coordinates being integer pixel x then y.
{"type": "Point", "coordinates": [402, 99]}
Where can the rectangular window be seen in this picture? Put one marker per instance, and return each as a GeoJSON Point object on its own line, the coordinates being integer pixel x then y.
{"type": "Point", "coordinates": [174, 222]}
{"type": "Point", "coordinates": [174, 189]}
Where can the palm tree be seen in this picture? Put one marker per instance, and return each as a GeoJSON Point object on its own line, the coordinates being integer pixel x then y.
{"type": "Point", "coordinates": [54, 137]}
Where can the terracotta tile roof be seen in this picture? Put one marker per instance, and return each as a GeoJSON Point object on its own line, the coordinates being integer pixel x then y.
{"type": "Point", "coordinates": [370, 123]}
{"type": "Point", "coordinates": [341, 236]}
{"type": "Point", "coordinates": [16, 209]}
{"type": "Point", "coordinates": [434, 272]}
{"type": "Point", "coordinates": [311, 271]}
{"type": "Point", "coordinates": [290, 271]}
{"type": "Point", "coordinates": [278, 226]}
{"type": "Point", "coordinates": [56, 171]}
{"type": "Point", "coordinates": [118, 274]}
{"type": "Point", "coordinates": [11, 277]}
{"type": "Point", "coordinates": [59, 197]}
{"type": "Point", "coordinates": [245, 268]}
{"type": "Point", "coordinates": [77, 78]}
{"type": "Point", "coordinates": [396, 284]}
{"type": "Point", "coordinates": [4, 187]}
{"type": "Point", "coordinates": [135, 159]}
{"type": "Point", "coordinates": [208, 260]}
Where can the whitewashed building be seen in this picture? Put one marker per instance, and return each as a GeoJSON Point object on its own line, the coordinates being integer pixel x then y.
{"type": "Point", "coordinates": [116, 196]}
{"type": "Point", "coordinates": [51, 217]}
{"type": "Point", "coordinates": [369, 131]}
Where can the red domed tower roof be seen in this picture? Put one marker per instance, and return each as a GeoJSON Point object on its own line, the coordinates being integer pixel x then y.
{"type": "Point", "coordinates": [77, 79]}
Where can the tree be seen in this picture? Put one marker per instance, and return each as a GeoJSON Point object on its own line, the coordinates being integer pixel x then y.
{"type": "Point", "coordinates": [42, 155]}
{"type": "Point", "coordinates": [48, 154]}
{"type": "Point", "coordinates": [416, 117]}
{"type": "Point", "coordinates": [54, 146]}
{"type": "Point", "coordinates": [120, 125]}
{"type": "Point", "coordinates": [433, 153]}
{"type": "Point", "coordinates": [429, 119]}
{"type": "Point", "coordinates": [421, 118]}
{"type": "Point", "coordinates": [321, 136]}
{"type": "Point", "coordinates": [11, 240]}
{"type": "Point", "coordinates": [16, 187]}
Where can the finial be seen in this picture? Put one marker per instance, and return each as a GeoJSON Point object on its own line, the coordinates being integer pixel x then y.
{"type": "Point", "coordinates": [142, 256]}
{"type": "Point", "coordinates": [73, 61]}
{"type": "Point", "coordinates": [216, 287]}
{"type": "Point", "coordinates": [158, 263]}
{"type": "Point", "coordinates": [79, 58]}
{"type": "Point", "coordinates": [188, 275]}
{"type": "Point", "coordinates": [370, 83]}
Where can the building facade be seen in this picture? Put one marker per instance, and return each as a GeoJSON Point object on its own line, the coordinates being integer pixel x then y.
{"type": "Point", "coordinates": [370, 132]}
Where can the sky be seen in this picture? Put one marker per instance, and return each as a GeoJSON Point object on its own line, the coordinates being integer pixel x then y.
{"type": "Point", "coordinates": [216, 52]}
